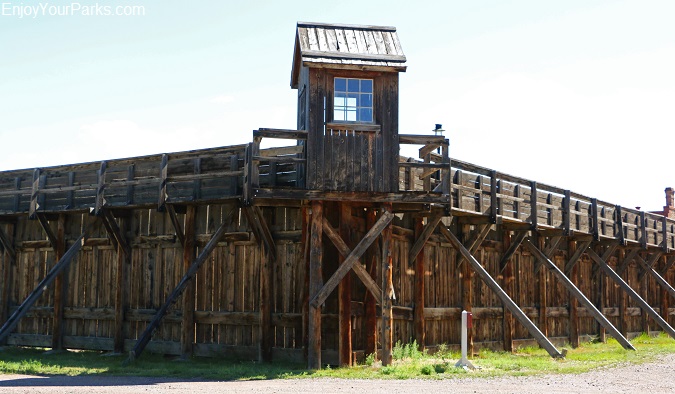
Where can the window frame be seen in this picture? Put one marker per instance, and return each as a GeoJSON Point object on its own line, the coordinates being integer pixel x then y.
{"type": "Point", "coordinates": [357, 107]}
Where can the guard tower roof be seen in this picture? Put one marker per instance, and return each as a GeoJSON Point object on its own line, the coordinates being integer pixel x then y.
{"type": "Point", "coordinates": [351, 47]}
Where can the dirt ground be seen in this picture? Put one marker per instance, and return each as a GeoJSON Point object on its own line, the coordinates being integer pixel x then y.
{"type": "Point", "coordinates": [654, 377]}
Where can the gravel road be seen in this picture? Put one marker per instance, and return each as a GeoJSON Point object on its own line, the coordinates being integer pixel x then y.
{"type": "Point", "coordinates": [653, 377]}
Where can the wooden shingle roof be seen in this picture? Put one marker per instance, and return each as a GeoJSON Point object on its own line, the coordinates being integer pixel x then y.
{"type": "Point", "coordinates": [346, 46]}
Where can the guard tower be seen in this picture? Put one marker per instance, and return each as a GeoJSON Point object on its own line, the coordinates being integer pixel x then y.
{"type": "Point", "coordinates": [347, 82]}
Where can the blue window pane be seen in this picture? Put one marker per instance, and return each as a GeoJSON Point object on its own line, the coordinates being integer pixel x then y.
{"type": "Point", "coordinates": [353, 85]}
{"type": "Point", "coordinates": [365, 115]}
{"type": "Point", "coordinates": [366, 100]}
{"type": "Point", "coordinates": [351, 115]}
{"type": "Point", "coordinates": [366, 86]}
{"type": "Point", "coordinates": [340, 85]}
{"type": "Point", "coordinates": [352, 100]}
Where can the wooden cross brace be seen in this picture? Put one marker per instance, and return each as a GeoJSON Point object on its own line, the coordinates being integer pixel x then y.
{"type": "Point", "coordinates": [351, 258]}
{"type": "Point", "coordinates": [629, 290]}
{"type": "Point", "coordinates": [544, 258]}
{"type": "Point", "coordinates": [7, 245]}
{"type": "Point", "coordinates": [650, 270]}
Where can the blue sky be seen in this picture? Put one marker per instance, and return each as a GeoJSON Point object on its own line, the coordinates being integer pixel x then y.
{"type": "Point", "coordinates": [577, 94]}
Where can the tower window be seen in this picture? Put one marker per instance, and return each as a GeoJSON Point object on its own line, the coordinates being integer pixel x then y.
{"type": "Point", "coordinates": [353, 101]}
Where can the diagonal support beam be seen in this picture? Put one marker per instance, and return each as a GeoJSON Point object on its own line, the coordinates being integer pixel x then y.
{"type": "Point", "coordinates": [62, 264]}
{"type": "Point", "coordinates": [173, 297]}
{"type": "Point", "coordinates": [424, 237]}
{"type": "Point", "coordinates": [581, 249]}
{"type": "Point", "coordinates": [574, 291]}
{"type": "Point", "coordinates": [629, 290]}
{"type": "Point", "coordinates": [53, 241]}
{"type": "Point", "coordinates": [650, 270]}
{"type": "Point", "coordinates": [650, 263]}
{"type": "Point", "coordinates": [605, 256]}
{"type": "Point", "coordinates": [626, 260]}
{"type": "Point", "coordinates": [171, 210]}
{"type": "Point", "coordinates": [7, 245]}
{"type": "Point", "coordinates": [506, 300]}
{"type": "Point", "coordinates": [669, 263]}
{"type": "Point", "coordinates": [344, 250]}
{"type": "Point", "coordinates": [260, 229]}
{"type": "Point", "coordinates": [515, 244]}
{"type": "Point", "coordinates": [476, 241]}
{"type": "Point", "coordinates": [114, 231]}
{"type": "Point", "coordinates": [356, 253]}
{"type": "Point", "coordinates": [553, 245]}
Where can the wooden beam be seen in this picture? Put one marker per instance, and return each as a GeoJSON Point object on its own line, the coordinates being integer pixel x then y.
{"type": "Point", "coordinates": [345, 251]}
{"type": "Point", "coordinates": [35, 190]}
{"type": "Point", "coordinates": [431, 225]}
{"type": "Point", "coordinates": [356, 253]}
{"type": "Point", "coordinates": [388, 296]}
{"type": "Point", "coordinates": [100, 189]}
{"type": "Point", "coordinates": [653, 258]}
{"type": "Point", "coordinates": [260, 229]}
{"type": "Point", "coordinates": [180, 234]}
{"type": "Point", "coordinates": [669, 263]}
{"type": "Point", "coordinates": [659, 279]}
{"type": "Point", "coordinates": [114, 232]}
{"type": "Point", "coordinates": [8, 246]}
{"type": "Point", "coordinates": [641, 302]}
{"type": "Point", "coordinates": [62, 264]}
{"type": "Point", "coordinates": [508, 285]}
{"type": "Point", "coordinates": [163, 176]}
{"type": "Point", "coordinates": [506, 300]}
{"type": "Point", "coordinates": [315, 284]}
{"type": "Point", "coordinates": [53, 240]}
{"type": "Point", "coordinates": [187, 336]}
{"type": "Point", "coordinates": [625, 262]}
{"type": "Point", "coordinates": [370, 301]}
{"type": "Point", "coordinates": [476, 240]}
{"type": "Point", "coordinates": [552, 246]}
{"type": "Point", "coordinates": [573, 304]}
{"type": "Point", "coordinates": [265, 331]}
{"type": "Point", "coordinates": [419, 321]}
{"type": "Point", "coordinates": [59, 285]}
{"type": "Point", "coordinates": [514, 245]}
{"type": "Point", "coordinates": [609, 251]}
{"type": "Point", "coordinates": [576, 293]}
{"type": "Point", "coordinates": [177, 291]}
{"type": "Point", "coordinates": [467, 274]}
{"type": "Point", "coordinates": [344, 291]}
{"type": "Point", "coordinates": [123, 262]}
{"type": "Point", "coordinates": [576, 255]}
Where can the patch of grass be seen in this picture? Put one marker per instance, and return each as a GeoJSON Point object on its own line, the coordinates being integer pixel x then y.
{"type": "Point", "coordinates": [408, 363]}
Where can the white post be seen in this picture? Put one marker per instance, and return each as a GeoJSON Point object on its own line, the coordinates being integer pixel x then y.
{"type": "Point", "coordinates": [464, 361]}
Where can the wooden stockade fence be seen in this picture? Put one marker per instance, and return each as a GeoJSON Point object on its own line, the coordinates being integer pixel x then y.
{"type": "Point", "coordinates": [325, 250]}
{"type": "Point", "coordinates": [500, 227]}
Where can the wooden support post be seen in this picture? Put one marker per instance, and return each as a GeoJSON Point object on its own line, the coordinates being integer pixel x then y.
{"type": "Point", "coordinates": [63, 263]}
{"type": "Point", "coordinates": [576, 293]}
{"type": "Point", "coordinates": [173, 297]}
{"type": "Point", "coordinates": [9, 262]}
{"type": "Point", "coordinates": [315, 285]}
{"type": "Point", "coordinates": [602, 335]}
{"type": "Point", "coordinates": [573, 305]}
{"type": "Point", "coordinates": [53, 241]}
{"type": "Point", "coordinates": [506, 300]}
{"type": "Point", "coordinates": [187, 336]}
{"type": "Point", "coordinates": [639, 300]}
{"type": "Point", "coordinates": [163, 176]}
{"type": "Point", "coordinates": [34, 205]}
{"type": "Point", "coordinates": [344, 293]}
{"type": "Point", "coordinates": [351, 260]}
{"type": "Point", "coordinates": [423, 236]}
{"type": "Point", "coordinates": [467, 288]}
{"type": "Point", "coordinates": [265, 324]}
{"type": "Point", "coordinates": [123, 263]}
{"type": "Point", "coordinates": [100, 189]}
{"type": "Point", "coordinates": [508, 285]}
{"type": "Point", "coordinates": [514, 244]}
{"type": "Point", "coordinates": [644, 283]}
{"type": "Point", "coordinates": [542, 279]}
{"type": "Point", "coordinates": [180, 234]}
{"type": "Point", "coordinates": [59, 285]}
{"type": "Point", "coordinates": [623, 326]}
{"type": "Point", "coordinates": [306, 220]}
{"type": "Point", "coordinates": [418, 317]}
{"type": "Point", "coordinates": [659, 279]}
{"type": "Point", "coordinates": [387, 290]}
{"type": "Point", "coordinates": [372, 259]}
{"type": "Point", "coordinates": [575, 256]}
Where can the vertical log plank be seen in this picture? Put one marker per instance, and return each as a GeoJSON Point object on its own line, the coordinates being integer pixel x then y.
{"type": "Point", "coordinates": [372, 259]}
{"type": "Point", "coordinates": [59, 285]}
{"type": "Point", "coordinates": [508, 284]}
{"type": "Point", "coordinates": [387, 292]}
{"type": "Point", "coordinates": [419, 289]}
{"type": "Point", "coordinates": [265, 331]}
{"type": "Point", "coordinates": [467, 288]}
{"type": "Point", "coordinates": [543, 299]}
{"type": "Point", "coordinates": [187, 336]}
{"type": "Point", "coordinates": [574, 304]}
{"type": "Point", "coordinates": [315, 285]}
{"type": "Point", "coordinates": [123, 261]}
{"type": "Point", "coordinates": [344, 293]}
